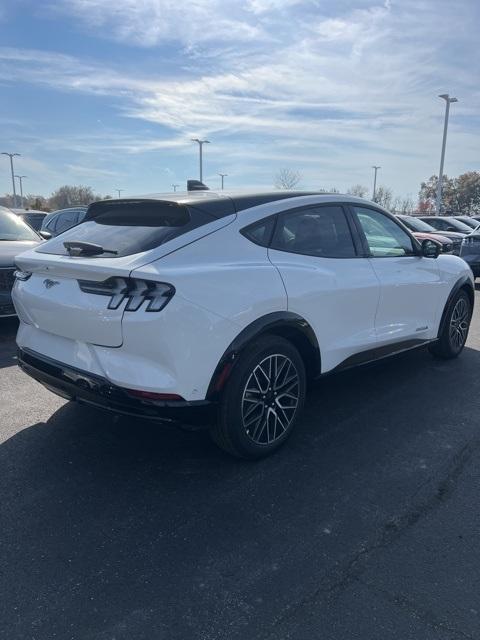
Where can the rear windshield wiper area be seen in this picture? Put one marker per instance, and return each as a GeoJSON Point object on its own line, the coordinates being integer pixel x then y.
{"type": "Point", "coordinates": [86, 249]}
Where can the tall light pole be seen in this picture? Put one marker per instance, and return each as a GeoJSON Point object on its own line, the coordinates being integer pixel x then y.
{"type": "Point", "coordinates": [375, 168]}
{"type": "Point", "coordinates": [448, 102]}
{"type": "Point", "coordinates": [119, 191]}
{"type": "Point", "coordinates": [20, 179]}
{"type": "Point", "coordinates": [223, 175]}
{"type": "Point", "coordinates": [11, 156]}
{"type": "Point", "coordinates": [175, 186]}
{"type": "Point", "coordinates": [200, 146]}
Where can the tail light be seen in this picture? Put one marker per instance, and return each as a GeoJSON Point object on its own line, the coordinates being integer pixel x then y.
{"type": "Point", "coordinates": [22, 275]}
{"type": "Point", "coordinates": [136, 291]}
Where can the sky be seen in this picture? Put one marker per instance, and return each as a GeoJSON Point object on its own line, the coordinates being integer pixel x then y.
{"type": "Point", "coordinates": [108, 93]}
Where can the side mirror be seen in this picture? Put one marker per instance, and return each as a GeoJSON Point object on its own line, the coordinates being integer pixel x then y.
{"type": "Point", "coordinates": [431, 249]}
{"type": "Point", "coordinates": [46, 235]}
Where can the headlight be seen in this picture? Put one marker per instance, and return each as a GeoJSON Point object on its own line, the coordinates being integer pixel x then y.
{"type": "Point", "coordinates": [469, 240]}
{"type": "Point", "coordinates": [136, 291]}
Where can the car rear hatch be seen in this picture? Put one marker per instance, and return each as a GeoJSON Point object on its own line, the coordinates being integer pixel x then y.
{"type": "Point", "coordinates": [61, 291]}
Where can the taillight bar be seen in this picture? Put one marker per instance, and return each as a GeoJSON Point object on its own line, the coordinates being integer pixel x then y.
{"type": "Point", "coordinates": [135, 290]}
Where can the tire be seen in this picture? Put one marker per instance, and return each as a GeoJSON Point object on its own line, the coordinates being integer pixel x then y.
{"type": "Point", "coordinates": [262, 400]}
{"type": "Point", "coordinates": [451, 341]}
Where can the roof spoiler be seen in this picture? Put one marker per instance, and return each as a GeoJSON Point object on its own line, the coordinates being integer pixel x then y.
{"type": "Point", "coordinates": [196, 185]}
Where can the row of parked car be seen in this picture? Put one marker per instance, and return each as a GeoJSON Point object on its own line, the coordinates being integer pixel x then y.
{"type": "Point", "coordinates": [52, 223]}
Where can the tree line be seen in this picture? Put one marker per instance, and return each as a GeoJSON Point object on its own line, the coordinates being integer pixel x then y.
{"type": "Point", "coordinates": [460, 195]}
{"type": "Point", "coordinates": [62, 198]}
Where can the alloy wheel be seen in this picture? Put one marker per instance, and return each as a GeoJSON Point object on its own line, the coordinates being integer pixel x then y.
{"type": "Point", "coordinates": [459, 324]}
{"type": "Point", "coordinates": [270, 399]}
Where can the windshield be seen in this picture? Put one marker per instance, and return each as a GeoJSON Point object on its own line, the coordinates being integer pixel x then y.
{"type": "Point", "coordinates": [416, 225]}
{"type": "Point", "coordinates": [12, 227]}
{"type": "Point", "coordinates": [470, 222]}
{"type": "Point", "coordinates": [459, 226]}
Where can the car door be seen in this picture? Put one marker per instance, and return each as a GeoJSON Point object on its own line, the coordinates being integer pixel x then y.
{"type": "Point", "coordinates": [410, 283]}
{"type": "Point", "coordinates": [327, 279]}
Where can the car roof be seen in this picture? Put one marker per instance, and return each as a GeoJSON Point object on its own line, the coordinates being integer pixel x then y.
{"type": "Point", "coordinates": [222, 203]}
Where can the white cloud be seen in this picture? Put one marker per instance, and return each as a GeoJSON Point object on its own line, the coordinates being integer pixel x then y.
{"type": "Point", "coordinates": [337, 88]}
{"type": "Point", "coordinates": [148, 22]}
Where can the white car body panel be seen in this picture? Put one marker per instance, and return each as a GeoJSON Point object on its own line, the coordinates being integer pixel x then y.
{"type": "Point", "coordinates": [223, 283]}
{"type": "Point", "coordinates": [409, 300]}
{"type": "Point", "coordinates": [337, 297]}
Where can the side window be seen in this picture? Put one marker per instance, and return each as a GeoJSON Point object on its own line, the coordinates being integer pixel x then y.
{"type": "Point", "coordinates": [260, 232]}
{"type": "Point", "coordinates": [65, 221]}
{"type": "Point", "coordinates": [316, 231]}
{"type": "Point", "coordinates": [384, 237]}
{"type": "Point", "coordinates": [50, 226]}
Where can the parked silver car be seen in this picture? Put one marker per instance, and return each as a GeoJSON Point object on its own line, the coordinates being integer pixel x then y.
{"type": "Point", "coordinates": [61, 220]}
{"type": "Point", "coordinates": [15, 237]}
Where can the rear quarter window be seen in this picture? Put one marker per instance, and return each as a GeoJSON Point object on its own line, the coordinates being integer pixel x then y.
{"type": "Point", "coordinates": [129, 227]}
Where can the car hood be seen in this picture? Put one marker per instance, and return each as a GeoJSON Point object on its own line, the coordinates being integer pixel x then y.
{"type": "Point", "coordinates": [427, 235]}
{"type": "Point", "coordinates": [453, 235]}
{"type": "Point", "coordinates": [11, 248]}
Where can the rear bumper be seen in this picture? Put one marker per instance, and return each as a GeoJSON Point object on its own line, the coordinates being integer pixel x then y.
{"type": "Point", "coordinates": [74, 384]}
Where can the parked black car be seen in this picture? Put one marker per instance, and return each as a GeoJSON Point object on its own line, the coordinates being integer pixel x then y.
{"type": "Point", "coordinates": [32, 217]}
{"type": "Point", "coordinates": [15, 237]}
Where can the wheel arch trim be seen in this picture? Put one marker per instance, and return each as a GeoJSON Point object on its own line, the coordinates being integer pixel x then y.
{"type": "Point", "coordinates": [462, 283]}
{"type": "Point", "coordinates": [282, 323]}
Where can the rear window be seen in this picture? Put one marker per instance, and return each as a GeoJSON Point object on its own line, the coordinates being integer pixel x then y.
{"type": "Point", "coordinates": [129, 227]}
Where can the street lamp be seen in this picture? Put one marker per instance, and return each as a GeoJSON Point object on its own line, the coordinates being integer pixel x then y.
{"type": "Point", "coordinates": [375, 168]}
{"type": "Point", "coordinates": [448, 102]}
{"type": "Point", "coordinates": [119, 191]}
{"type": "Point", "coordinates": [223, 175]}
{"type": "Point", "coordinates": [20, 179]}
{"type": "Point", "coordinates": [11, 156]}
{"type": "Point", "coordinates": [175, 186]}
{"type": "Point", "coordinates": [200, 145]}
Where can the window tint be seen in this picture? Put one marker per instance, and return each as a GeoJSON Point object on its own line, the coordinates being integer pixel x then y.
{"type": "Point", "coordinates": [415, 224]}
{"type": "Point", "coordinates": [66, 220]}
{"type": "Point", "coordinates": [316, 231]}
{"type": "Point", "coordinates": [260, 232]}
{"type": "Point", "coordinates": [129, 227]}
{"type": "Point", "coordinates": [384, 237]}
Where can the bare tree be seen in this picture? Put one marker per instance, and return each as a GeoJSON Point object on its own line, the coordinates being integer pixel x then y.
{"type": "Point", "coordinates": [287, 179]}
{"type": "Point", "coordinates": [403, 205]}
{"type": "Point", "coordinates": [358, 190]}
{"type": "Point", "coordinates": [383, 197]}
{"type": "Point", "coordinates": [71, 195]}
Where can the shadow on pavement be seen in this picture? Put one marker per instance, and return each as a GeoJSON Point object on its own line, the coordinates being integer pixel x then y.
{"type": "Point", "coordinates": [119, 528]}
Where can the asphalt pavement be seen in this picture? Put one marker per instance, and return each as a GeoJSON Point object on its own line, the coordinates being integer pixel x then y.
{"type": "Point", "coordinates": [366, 525]}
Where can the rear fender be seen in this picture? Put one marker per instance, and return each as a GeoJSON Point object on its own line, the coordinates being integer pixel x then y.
{"type": "Point", "coordinates": [287, 324]}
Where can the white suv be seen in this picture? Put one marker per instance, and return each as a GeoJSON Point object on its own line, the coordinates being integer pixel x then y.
{"type": "Point", "coordinates": [219, 308]}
